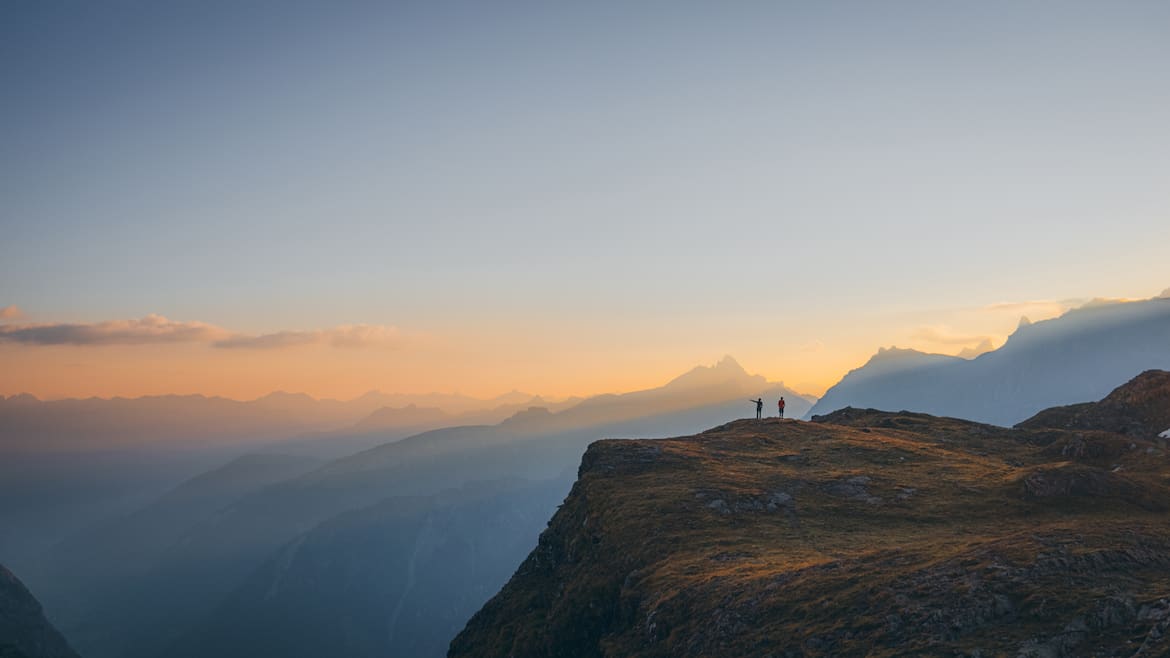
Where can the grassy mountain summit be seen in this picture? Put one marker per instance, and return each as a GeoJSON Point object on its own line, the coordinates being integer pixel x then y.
{"type": "Point", "coordinates": [864, 533]}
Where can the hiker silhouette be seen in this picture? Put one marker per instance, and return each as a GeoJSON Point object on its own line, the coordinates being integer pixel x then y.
{"type": "Point", "coordinates": [781, 405]}
{"type": "Point", "coordinates": [759, 407]}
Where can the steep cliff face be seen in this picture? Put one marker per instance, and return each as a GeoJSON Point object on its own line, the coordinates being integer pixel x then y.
{"type": "Point", "coordinates": [24, 631]}
{"type": "Point", "coordinates": [868, 533]}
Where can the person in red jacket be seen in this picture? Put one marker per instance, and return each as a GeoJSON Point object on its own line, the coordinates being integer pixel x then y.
{"type": "Point", "coordinates": [781, 405]}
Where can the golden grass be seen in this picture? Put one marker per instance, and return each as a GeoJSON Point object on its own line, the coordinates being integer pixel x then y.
{"type": "Point", "coordinates": [881, 538]}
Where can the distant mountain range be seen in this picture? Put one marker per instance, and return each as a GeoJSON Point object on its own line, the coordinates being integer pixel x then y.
{"type": "Point", "coordinates": [185, 590]}
{"type": "Point", "coordinates": [1077, 357]}
{"type": "Point", "coordinates": [29, 425]}
{"type": "Point", "coordinates": [65, 464]}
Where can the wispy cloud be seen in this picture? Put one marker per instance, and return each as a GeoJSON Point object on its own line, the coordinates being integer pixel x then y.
{"type": "Point", "coordinates": [1051, 308]}
{"type": "Point", "coordinates": [972, 352]}
{"type": "Point", "coordinates": [944, 336]}
{"type": "Point", "coordinates": [10, 312]}
{"type": "Point", "coordinates": [156, 329]}
{"type": "Point", "coordinates": [278, 340]}
{"type": "Point", "coordinates": [364, 335]}
{"type": "Point", "coordinates": [1044, 306]}
{"type": "Point", "coordinates": [345, 336]}
{"type": "Point", "coordinates": [1106, 301]}
{"type": "Point", "coordinates": [813, 346]}
{"type": "Point", "coordinates": [142, 331]}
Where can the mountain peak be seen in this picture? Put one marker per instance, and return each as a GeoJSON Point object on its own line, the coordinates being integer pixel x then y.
{"type": "Point", "coordinates": [285, 397]}
{"type": "Point", "coordinates": [729, 363]}
{"type": "Point", "coordinates": [20, 398]}
{"type": "Point", "coordinates": [529, 415]}
{"type": "Point", "coordinates": [895, 353]}
{"type": "Point", "coordinates": [726, 370]}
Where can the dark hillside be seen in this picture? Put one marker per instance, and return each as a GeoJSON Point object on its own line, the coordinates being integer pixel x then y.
{"type": "Point", "coordinates": [24, 631]}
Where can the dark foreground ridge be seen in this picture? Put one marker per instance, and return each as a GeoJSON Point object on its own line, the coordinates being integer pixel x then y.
{"type": "Point", "coordinates": [865, 533]}
{"type": "Point", "coordinates": [24, 631]}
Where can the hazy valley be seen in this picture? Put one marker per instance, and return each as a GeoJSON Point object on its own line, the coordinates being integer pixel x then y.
{"type": "Point", "coordinates": [207, 563]}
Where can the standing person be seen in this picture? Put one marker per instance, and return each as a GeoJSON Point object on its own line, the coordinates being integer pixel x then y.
{"type": "Point", "coordinates": [781, 405]}
{"type": "Point", "coordinates": [759, 408]}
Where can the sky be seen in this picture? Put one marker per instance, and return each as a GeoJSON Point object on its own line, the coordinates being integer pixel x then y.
{"type": "Point", "coordinates": [231, 198]}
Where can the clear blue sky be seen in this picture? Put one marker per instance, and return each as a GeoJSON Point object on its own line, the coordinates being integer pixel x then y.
{"type": "Point", "coordinates": [526, 166]}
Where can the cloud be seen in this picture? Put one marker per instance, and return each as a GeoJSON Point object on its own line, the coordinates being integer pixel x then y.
{"type": "Point", "coordinates": [813, 346]}
{"type": "Point", "coordinates": [1106, 301]}
{"type": "Point", "coordinates": [10, 312]}
{"type": "Point", "coordinates": [1038, 307]}
{"type": "Point", "coordinates": [945, 336]}
{"type": "Point", "coordinates": [344, 336]}
{"type": "Point", "coordinates": [278, 340]}
{"type": "Point", "coordinates": [972, 352]}
{"type": "Point", "coordinates": [364, 335]}
{"type": "Point", "coordinates": [156, 329]}
{"type": "Point", "coordinates": [143, 331]}
{"type": "Point", "coordinates": [1052, 308]}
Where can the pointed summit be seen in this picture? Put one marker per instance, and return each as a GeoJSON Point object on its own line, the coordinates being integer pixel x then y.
{"type": "Point", "coordinates": [727, 370]}
{"type": "Point", "coordinates": [729, 364]}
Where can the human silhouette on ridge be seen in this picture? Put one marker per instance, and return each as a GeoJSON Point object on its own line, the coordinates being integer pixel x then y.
{"type": "Point", "coordinates": [759, 407]}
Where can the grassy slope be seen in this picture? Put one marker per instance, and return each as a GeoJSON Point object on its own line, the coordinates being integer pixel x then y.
{"type": "Point", "coordinates": [869, 534]}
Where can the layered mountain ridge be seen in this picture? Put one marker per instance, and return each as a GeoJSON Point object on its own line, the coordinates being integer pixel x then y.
{"type": "Point", "coordinates": [1077, 357]}
{"type": "Point", "coordinates": [197, 587]}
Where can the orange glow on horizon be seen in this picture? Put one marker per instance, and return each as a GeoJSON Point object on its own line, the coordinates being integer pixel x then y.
{"type": "Point", "coordinates": [555, 361]}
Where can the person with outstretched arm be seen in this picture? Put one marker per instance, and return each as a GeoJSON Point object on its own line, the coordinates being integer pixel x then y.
{"type": "Point", "coordinates": [759, 407]}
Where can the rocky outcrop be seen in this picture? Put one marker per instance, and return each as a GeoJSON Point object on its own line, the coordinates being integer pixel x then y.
{"type": "Point", "coordinates": [1139, 408]}
{"type": "Point", "coordinates": [24, 631]}
{"type": "Point", "coordinates": [866, 534]}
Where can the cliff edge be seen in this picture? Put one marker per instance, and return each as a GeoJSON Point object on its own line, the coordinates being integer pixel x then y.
{"type": "Point", "coordinates": [865, 533]}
